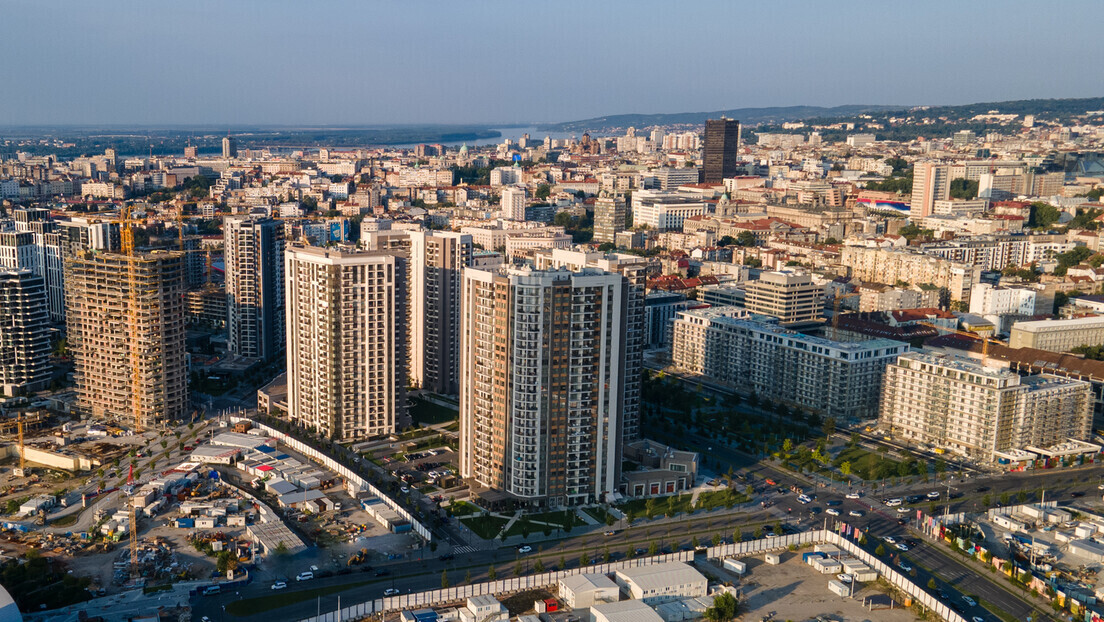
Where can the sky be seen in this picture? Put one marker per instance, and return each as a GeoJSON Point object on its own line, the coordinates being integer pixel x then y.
{"type": "Point", "coordinates": [367, 62]}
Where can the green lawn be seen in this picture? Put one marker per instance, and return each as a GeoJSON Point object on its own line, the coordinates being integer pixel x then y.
{"type": "Point", "coordinates": [601, 515]}
{"type": "Point", "coordinates": [423, 412]}
{"type": "Point", "coordinates": [661, 506]}
{"type": "Point", "coordinates": [260, 604]}
{"type": "Point", "coordinates": [867, 464]}
{"type": "Point", "coordinates": [720, 498]}
{"type": "Point", "coordinates": [462, 508]}
{"type": "Point", "coordinates": [559, 519]}
{"type": "Point", "coordinates": [485, 527]}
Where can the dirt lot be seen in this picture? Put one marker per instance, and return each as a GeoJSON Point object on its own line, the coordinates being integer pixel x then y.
{"type": "Point", "coordinates": [795, 591]}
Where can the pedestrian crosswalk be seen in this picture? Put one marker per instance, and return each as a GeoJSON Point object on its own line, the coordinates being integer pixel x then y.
{"type": "Point", "coordinates": [460, 550]}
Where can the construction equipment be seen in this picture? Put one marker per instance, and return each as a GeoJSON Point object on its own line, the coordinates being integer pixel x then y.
{"type": "Point", "coordinates": [126, 234]}
{"type": "Point", "coordinates": [836, 308]}
{"type": "Point", "coordinates": [22, 449]}
{"type": "Point", "coordinates": [133, 539]}
{"type": "Point", "coordinates": [985, 339]}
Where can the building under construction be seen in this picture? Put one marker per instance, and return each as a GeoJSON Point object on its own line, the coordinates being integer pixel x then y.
{"type": "Point", "coordinates": [126, 328]}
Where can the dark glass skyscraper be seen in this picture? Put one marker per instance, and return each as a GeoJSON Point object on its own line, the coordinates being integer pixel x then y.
{"type": "Point", "coordinates": [722, 140]}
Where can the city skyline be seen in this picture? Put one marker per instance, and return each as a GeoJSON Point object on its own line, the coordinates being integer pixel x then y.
{"type": "Point", "coordinates": [365, 64]}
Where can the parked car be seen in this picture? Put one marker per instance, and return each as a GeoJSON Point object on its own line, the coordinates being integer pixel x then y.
{"type": "Point", "coordinates": [969, 601]}
{"type": "Point", "coordinates": [304, 576]}
{"type": "Point", "coordinates": [279, 585]}
{"type": "Point", "coordinates": [832, 512]}
{"type": "Point", "coordinates": [525, 549]}
{"type": "Point", "coordinates": [854, 495]}
{"type": "Point", "coordinates": [390, 591]}
{"type": "Point", "coordinates": [856, 513]}
{"type": "Point", "coordinates": [933, 494]}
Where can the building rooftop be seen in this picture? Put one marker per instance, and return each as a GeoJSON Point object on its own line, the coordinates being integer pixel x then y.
{"type": "Point", "coordinates": [660, 576]}
{"type": "Point", "coordinates": [1042, 325]}
{"type": "Point", "coordinates": [627, 611]}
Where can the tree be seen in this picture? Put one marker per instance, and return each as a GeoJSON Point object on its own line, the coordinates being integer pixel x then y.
{"type": "Point", "coordinates": [829, 426]}
{"type": "Point", "coordinates": [518, 569]}
{"type": "Point", "coordinates": [1043, 215]}
{"type": "Point", "coordinates": [725, 607]}
{"type": "Point", "coordinates": [727, 240]}
{"type": "Point", "coordinates": [746, 238]}
{"type": "Point", "coordinates": [1004, 498]}
{"type": "Point", "coordinates": [563, 563]}
{"type": "Point", "coordinates": [584, 559]}
{"type": "Point", "coordinates": [964, 189]}
{"type": "Point", "coordinates": [737, 536]}
{"type": "Point", "coordinates": [491, 573]}
{"type": "Point", "coordinates": [653, 546]}
{"type": "Point", "coordinates": [716, 540]}
{"type": "Point", "coordinates": [845, 467]}
{"type": "Point", "coordinates": [880, 550]}
{"type": "Point", "coordinates": [694, 542]}
{"type": "Point", "coordinates": [932, 584]}
{"type": "Point", "coordinates": [606, 556]}
{"type": "Point", "coordinates": [444, 580]}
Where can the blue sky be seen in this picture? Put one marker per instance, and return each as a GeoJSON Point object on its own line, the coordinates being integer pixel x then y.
{"type": "Point", "coordinates": [423, 61]}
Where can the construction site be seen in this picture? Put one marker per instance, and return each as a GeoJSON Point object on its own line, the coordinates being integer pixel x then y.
{"type": "Point", "coordinates": [126, 329]}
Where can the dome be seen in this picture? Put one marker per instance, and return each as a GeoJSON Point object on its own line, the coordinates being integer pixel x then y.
{"type": "Point", "coordinates": [9, 611]}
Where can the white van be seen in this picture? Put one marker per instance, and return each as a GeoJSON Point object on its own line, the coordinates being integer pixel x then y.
{"type": "Point", "coordinates": [892, 503]}
{"type": "Point", "coordinates": [304, 576]}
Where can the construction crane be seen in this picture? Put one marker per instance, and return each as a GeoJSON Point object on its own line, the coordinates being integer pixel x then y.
{"type": "Point", "coordinates": [22, 449]}
{"type": "Point", "coordinates": [836, 308]}
{"type": "Point", "coordinates": [133, 540]}
{"type": "Point", "coordinates": [985, 339]}
{"type": "Point", "coordinates": [126, 234]}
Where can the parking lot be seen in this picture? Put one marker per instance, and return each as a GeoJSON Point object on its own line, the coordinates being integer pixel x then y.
{"type": "Point", "coordinates": [795, 591]}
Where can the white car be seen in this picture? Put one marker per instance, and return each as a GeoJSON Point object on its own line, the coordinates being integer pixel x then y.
{"type": "Point", "coordinates": [933, 494]}
{"type": "Point", "coordinates": [804, 499]}
{"type": "Point", "coordinates": [304, 576]}
{"type": "Point", "coordinates": [854, 495]}
{"type": "Point", "coordinates": [969, 601]}
{"type": "Point", "coordinates": [902, 546]}
{"type": "Point", "coordinates": [832, 512]}
{"type": "Point", "coordinates": [902, 510]}
{"type": "Point", "coordinates": [525, 549]}
{"type": "Point", "coordinates": [978, 619]}
{"type": "Point", "coordinates": [390, 591]}
{"type": "Point", "coordinates": [844, 577]}
{"type": "Point", "coordinates": [903, 565]}
{"type": "Point", "coordinates": [856, 513]}
{"type": "Point", "coordinates": [279, 585]}
{"type": "Point", "coordinates": [893, 502]}
{"type": "Point", "coordinates": [890, 539]}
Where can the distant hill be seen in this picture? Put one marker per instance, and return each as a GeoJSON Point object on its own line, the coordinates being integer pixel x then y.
{"type": "Point", "coordinates": [1058, 109]}
{"type": "Point", "coordinates": [746, 116]}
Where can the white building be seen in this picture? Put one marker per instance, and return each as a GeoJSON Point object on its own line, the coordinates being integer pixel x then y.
{"type": "Point", "coordinates": [981, 410]}
{"type": "Point", "coordinates": [986, 299]}
{"type": "Point", "coordinates": [346, 340]}
{"type": "Point", "coordinates": [658, 583]}
{"type": "Point", "coordinates": [624, 611]}
{"type": "Point", "coordinates": [586, 590]}
{"type": "Point", "coordinates": [505, 176]}
{"type": "Point", "coordinates": [1057, 335]}
{"type": "Point", "coordinates": [253, 249]}
{"type": "Point", "coordinates": [664, 210]}
{"type": "Point", "coordinates": [513, 203]}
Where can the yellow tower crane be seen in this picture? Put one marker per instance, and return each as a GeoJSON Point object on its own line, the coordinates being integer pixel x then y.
{"type": "Point", "coordinates": [22, 450]}
{"type": "Point", "coordinates": [126, 234]}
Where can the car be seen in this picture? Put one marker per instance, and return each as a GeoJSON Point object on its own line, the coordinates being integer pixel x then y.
{"type": "Point", "coordinates": [832, 512]}
{"type": "Point", "coordinates": [1077, 494]}
{"type": "Point", "coordinates": [969, 601]}
{"type": "Point", "coordinates": [901, 521]}
{"type": "Point", "coordinates": [390, 591]}
{"type": "Point", "coordinates": [640, 551]}
{"type": "Point", "coordinates": [611, 533]}
{"type": "Point", "coordinates": [833, 503]}
{"type": "Point", "coordinates": [856, 513]}
{"type": "Point", "coordinates": [382, 572]}
{"type": "Point", "coordinates": [978, 619]}
{"type": "Point", "coordinates": [981, 489]}
{"type": "Point", "coordinates": [890, 503]}
{"type": "Point", "coordinates": [944, 595]}
{"type": "Point", "coordinates": [205, 619]}
{"type": "Point", "coordinates": [902, 546]}
{"type": "Point", "coordinates": [279, 585]}
{"type": "Point", "coordinates": [903, 565]}
{"type": "Point", "coordinates": [314, 568]}
{"type": "Point", "coordinates": [525, 549]}
{"type": "Point", "coordinates": [405, 489]}
{"type": "Point", "coordinates": [447, 557]}
{"type": "Point", "coordinates": [854, 495]}
{"type": "Point", "coordinates": [844, 577]}
{"type": "Point", "coordinates": [803, 498]}
{"type": "Point", "coordinates": [1100, 487]}
{"type": "Point", "coordinates": [914, 498]}
{"type": "Point", "coordinates": [933, 494]}
{"type": "Point", "coordinates": [890, 539]}
{"type": "Point", "coordinates": [304, 576]}
{"type": "Point", "coordinates": [903, 510]}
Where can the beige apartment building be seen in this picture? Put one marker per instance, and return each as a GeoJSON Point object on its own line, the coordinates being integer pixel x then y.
{"type": "Point", "coordinates": [1057, 335]}
{"type": "Point", "coordinates": [791, 297]}
{"type": "Point", "coordinates": [890, 267]}
{"type": "Point", "coordinates": [346, 340]}
{"type": "Point", "coordinates": [437, 261]}
{"type": "Point", "coordinates": [980, 410]}
{"type": "Point", "coordinates": [128, 343]}
{"type": "Point", "coordinates": [543, 384]}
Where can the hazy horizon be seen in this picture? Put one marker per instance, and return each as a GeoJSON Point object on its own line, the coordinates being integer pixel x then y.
{"type": "Point", "coordinates": [281, 63]}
